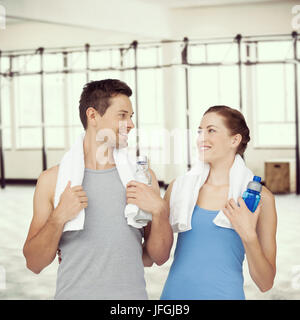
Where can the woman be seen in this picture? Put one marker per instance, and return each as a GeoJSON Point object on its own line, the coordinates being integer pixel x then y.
{"type": "Point", "coordinates": [208, 259]}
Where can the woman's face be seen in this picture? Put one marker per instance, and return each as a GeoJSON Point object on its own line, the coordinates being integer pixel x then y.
{"type": "Point", "coordinates": [214, 138]}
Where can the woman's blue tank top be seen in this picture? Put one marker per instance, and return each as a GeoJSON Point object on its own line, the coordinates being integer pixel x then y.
{"type": "Point", "coordinates": [208, 262]}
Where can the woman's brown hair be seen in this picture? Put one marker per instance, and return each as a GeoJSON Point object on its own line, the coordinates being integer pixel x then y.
{"type": "Point", "coordinates": [235, 122]}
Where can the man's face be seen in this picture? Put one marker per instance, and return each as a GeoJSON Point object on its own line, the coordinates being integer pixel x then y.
{"type": "Point", "coordinates": [114, 126]}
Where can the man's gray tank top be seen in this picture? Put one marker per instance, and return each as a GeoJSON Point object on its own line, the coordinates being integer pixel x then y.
{"type": "Point", "coordinates": [104, 260]}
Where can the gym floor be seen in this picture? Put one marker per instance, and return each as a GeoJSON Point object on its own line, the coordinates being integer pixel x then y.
{"type": "Point", "coordinates": [20, 283]}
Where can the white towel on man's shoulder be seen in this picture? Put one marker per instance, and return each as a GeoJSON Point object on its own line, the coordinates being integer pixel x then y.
{"type": "Point", "coordinates": [71, 168]}
{"type": "Point", "coordinates": [186, 188]}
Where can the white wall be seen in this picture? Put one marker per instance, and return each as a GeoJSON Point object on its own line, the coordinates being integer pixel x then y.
{"type": "Point", "coordinates": [117, 16]}
{"type": "Point", "coordinates": [31, 35]}
{"type": "Point", "coordinates": [27, 164]}
{"type": "Point", "coordinates": [248, 19]}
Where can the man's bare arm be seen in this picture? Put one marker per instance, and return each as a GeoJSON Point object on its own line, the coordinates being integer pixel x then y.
{"type": "Point", "coordinates": [47, 223]}
{"type": "Point", "coordinates": [43, 236]}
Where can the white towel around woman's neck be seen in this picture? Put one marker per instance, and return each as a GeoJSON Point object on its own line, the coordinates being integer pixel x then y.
{"type": "Point", "coordinates": [186, 188]}
{"type": "Point", "coordinates": [71, 168]}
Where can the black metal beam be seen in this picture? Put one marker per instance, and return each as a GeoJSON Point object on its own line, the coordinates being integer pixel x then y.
{"type": "Point", "coordinates": [21, 181]}
{"type": "Point", "coordinates": [238, 39]}
{"type": "Point", "coordinates": [297, 150]}
{"type": "Point", "coordinates": [184, 61]}
{"type": "Point", "coordinates": [134, 45]}
{"type": "Point", "coordinates": [44, 156]}
{"type": "Point", "coordinates": [162, 66]}
{"type": "Point", "coordinates": [87, 59]}
{"type": "Point", "coordinates": [215, 40]}
{"type": "Point", "coordinates": [1, 144]}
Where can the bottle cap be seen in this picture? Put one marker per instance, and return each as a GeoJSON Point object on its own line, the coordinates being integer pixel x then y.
{"type": "Point", "coordinates": [257, 178]}
{"type": "Point", "coordinates": [142, 159]}
{"type": "Point", "coordinates": [255, 184]}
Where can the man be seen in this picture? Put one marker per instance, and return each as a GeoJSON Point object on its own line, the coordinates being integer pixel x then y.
{"type": "Point", "coordinates": [106, 259]}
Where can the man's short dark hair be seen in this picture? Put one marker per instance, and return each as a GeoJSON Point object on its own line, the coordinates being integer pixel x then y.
{"type": "Point", "coordinates": [97, 94]}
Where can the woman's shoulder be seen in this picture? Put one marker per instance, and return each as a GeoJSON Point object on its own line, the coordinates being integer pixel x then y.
{"type": "Point", "coordinates": [267, 194]}
{"type": "Point", "coordinates": [268, 203]}
{"type": "Point", "coordinates": [268, 216]}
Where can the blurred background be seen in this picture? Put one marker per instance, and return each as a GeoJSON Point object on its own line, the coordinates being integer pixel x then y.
{"type": "Point", "coordinates": [179, 57]}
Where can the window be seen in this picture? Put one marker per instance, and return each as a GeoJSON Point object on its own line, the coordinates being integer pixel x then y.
{"type": "Point", "coordinates": [197, 53]}
{"type": "Point", "coordinates": [5, 113]}
{"type": "Point", "coordinates": [53, 62]}
{"type": "Point", "coordinates": [150, 96]}
{"type": "Point", "coordinates": [150, 102]}
{"type": "Point", "coordinates": [274, 106]}
{"type": "Point", "coordinates": [269, 51]}
{"type": "Point", "coordinates": [76, 82]}
{"type": "Point", "coordinates": [148, 56]}
{"type": "Point", "coordinates": [27, 97]}
{"type": "Point", "coordinates": [104, 59]}
{"type": "Point", "coordinates": [77, 60]}
{"type": "Point", "coordinates": [55, 104]}
{"type": "Point", "coordinates": [27, 63]}
{"type": "Point", "coordinates": [222, 52]}
{"type": "Point", "coordinates": [210, 86]}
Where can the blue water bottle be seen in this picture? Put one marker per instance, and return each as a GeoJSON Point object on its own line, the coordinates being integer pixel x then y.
{"type": "Point", "coordinates": [252, 195]}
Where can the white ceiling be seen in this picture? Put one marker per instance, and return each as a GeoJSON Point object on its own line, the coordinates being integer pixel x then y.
{"type": "Point", "coordinates": [199, 3]}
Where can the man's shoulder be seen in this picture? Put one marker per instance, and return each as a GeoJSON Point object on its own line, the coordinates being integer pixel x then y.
{"type": "Point", "coordinates": [49, 174]}
{"type": "Point", "coordinates": [47, 181]}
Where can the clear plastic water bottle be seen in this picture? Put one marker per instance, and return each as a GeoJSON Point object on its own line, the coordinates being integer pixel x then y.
{"type": "Point", "coordinates": [252, 195]}
{"type": "Point", "coordinates": [143, 175]}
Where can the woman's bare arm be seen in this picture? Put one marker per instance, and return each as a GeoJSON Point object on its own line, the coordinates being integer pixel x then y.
{"type": "Point", "coordinates": [258, 233]}
{"type": "Point", "coordinates": [261, 251]}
